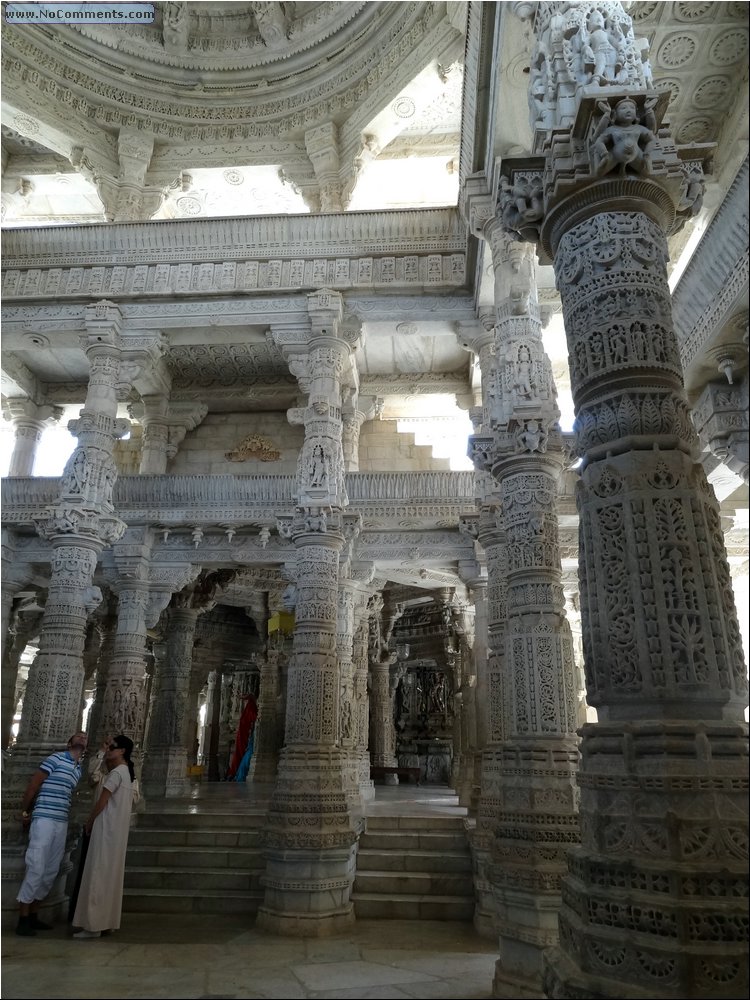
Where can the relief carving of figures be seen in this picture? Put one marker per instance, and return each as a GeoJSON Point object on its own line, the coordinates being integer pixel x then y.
{"type": "Point", "coordinates": [602, 50]}
{"type": "Point", "coordinates": [533, 436]}
{"type": "Point", "coordinates": [437, 693]}
{"type": "Point", "coordinates": [316, 519]}
{"type": "Point", "coordinates": [623, 139]}
{"type": "Point", "coordinates": [522, 205]}
{"type": "Point", "coordinates": [523, 384]}
{"type": "Point", "coordinates": [319, 468]}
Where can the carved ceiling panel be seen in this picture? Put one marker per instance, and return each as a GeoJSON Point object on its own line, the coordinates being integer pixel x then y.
{"type": "Point", "coordinates": [209, 365]}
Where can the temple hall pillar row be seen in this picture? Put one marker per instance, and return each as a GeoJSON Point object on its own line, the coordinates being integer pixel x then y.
{"type": "Point", "coordinates": [312, 831]}
{"type": "Point", "coordinates": [345, 628]}
{"type": "Point", "coordinates": [30, 421]}
{"type": "Point", "coordinates": [105, 624]}
{"type": "Point", "coordinates": [155, 441]}
{"type": "Point", "coordinates": [486, 527]}
{"type": "Point", "coordinates": [268, 737]}
{"type": "Point", "coordinates": [211, 731]}
{"type": "Point", "coordinates": [537, 819]}
{"type": "Point", "coordinates": [381, 658]}
{"type": "Point", "coordinates": [477, 693]}
{"type": "Point", "coordinates": [23, 627]}
{"type": "Point", "coordinates": [79, 525]}
{"type": "Point", "coordinates": [16, 575]}
{"type": "Point", "coordinates": [166, 755]}
{"type": "Point", "coordinates": [655, 899]}
{"type": "Point", "coordinates": [124, 706]}
{"type": "Point", "coordinates": [364, 574]}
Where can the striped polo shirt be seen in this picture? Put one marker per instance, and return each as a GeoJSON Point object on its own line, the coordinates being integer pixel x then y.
{"type": "Point", "coordinates": [53, 800]}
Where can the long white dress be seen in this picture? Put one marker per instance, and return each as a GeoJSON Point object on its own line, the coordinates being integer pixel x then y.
{"type": "Point", "coordinates": [99, 904]}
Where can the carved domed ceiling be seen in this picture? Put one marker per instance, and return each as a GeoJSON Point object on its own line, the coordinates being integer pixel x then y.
{"type": "Point", "coordinates": [300, 102]}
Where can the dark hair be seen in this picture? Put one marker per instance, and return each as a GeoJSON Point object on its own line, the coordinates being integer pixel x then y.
{"type": "Point", "coordinates": [123, 742]}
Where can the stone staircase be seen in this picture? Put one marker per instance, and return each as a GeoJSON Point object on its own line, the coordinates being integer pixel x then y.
{"type": "Point", "coordinates": [182, 861]}
{"type": "Point", "coordinates": [208, 858]}
{"type": "Point", "coordinates": [414, 868]}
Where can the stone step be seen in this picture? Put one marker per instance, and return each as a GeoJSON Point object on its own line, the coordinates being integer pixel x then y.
{"type": "Point", "coordinates": [424, 883]}
{"type": "Point", "coordinates": [439, 842]}
{"type": "Point", "coordinates": [171, 837]}
{"type": "Point", "coordinates": [377, 859]}
{"type": "Point", "coordinates": [374, 906]}
{"type": "Point", "coordinates": [194, 857]}
{"type": "Point", "coordinates": [188, 901]}
{"type": "Point", "coordinates": [170, 880]}
{"type": "Point", "coordinates": [226, 820]}
{"type": "Point", "coordinates": [421, 823]}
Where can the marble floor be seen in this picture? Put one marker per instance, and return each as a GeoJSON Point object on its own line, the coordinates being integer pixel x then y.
{"type": "Point", "coordinates": [193, 957]}
{"type": "Point", "coordinates": [190, 957]}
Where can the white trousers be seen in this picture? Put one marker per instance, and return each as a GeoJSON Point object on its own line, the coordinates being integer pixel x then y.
{"type": "Point", "coordinates": [43, 857]}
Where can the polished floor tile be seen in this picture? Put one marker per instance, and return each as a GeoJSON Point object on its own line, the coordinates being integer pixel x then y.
{"type": "Point", "coordinates": [210, 958]}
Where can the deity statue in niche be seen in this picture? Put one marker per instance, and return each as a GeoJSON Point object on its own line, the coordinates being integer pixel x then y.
{"type": "Point", "coordinates": [318, 468]}
{"type": "Point", "coordinates": [523, 384]}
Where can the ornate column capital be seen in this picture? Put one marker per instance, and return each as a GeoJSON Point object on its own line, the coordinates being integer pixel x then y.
{"type": "Point", "coordinates": [103, 321]}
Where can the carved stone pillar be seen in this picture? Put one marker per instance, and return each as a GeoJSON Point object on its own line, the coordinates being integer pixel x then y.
{"type": "Point", "coordinates": [164, 424]}
{"type": "Point", "coordinates": [312, 831]}
{"type": "Point", "coordinates": [487, 528]}
{"type": "Point", "coordinates": [78, 526]}
{"type": "Point", "coordinates": [354, 414]}
{"type": "Point", "coordinates": [24, 627]}
{"type": "Point", "coordinates": [226, 731]}
{"type": "Point", "coordinates": [155, 436]}
{"type": "Point", "coordinates": [538, 798]}
{"type": "Point", "coordinates": [361, 701]}
{"type": "Point", "coordinates": [267, 744]}
{"type": "Point", "coordinates": [664, 771]}
{"type": "Point", "coordinates": [382, 732]}
{"type": "Point", "coordinates": [166, 757]}
{"type": "Point", "coordinates": [347, 724]}
{"type": "Point", "coordinates": [127, 197]}
{"type": "Point", "coordinates": [30, 421]}
{"type": "Point", "coordinates": [322, 147]}
{"type": "Point", "coordinates": [106, 626]}
{"type": "Point", "coordinates": [124, 705]}
{"type": "Point", "coordinates": [477, 694]}
{"type": "Point", "coordinates": [211, 733]}
{"type": "Point", "coordinates": [16, 575]}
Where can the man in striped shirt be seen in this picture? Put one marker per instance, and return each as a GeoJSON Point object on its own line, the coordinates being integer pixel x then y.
{"type": "Point", "coordinates": [50, 789]}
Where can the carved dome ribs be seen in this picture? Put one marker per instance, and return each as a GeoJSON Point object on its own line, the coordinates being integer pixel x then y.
{"type": "Point", "coordinates": [355, 37]}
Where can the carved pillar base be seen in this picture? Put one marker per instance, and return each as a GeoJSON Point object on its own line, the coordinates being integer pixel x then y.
{"type": "Point", "coordinates": [655, 900]}
{"type": "Point", "coordinates": [165, 773]}
{"type": "Point", "coordinates": [312, 838]}
{"type": "Point", "coordinates": [481, 842]}
{"type": "Point", "coordinates": [536, 825]}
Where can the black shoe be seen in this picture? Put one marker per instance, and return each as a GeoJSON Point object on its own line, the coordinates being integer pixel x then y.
{"type": "Point", "coordinates": [25, 928]}
{"type": "Point", "coordinates": [39, 925]}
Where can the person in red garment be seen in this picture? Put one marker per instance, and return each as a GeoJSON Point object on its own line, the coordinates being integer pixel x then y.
{"type": "Point", "coordinates": [244, 733]}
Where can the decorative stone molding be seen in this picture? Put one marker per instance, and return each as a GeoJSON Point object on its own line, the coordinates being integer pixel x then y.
{"type": "Point", "coordinates": [716, 276]}
{"type": "Point", "coordinates": [254, 446]}
{"type": "Point", "coordinates": [720, 417]}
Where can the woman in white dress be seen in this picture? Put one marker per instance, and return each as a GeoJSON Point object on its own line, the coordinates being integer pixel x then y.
{"type": "Point", "coordinates": [99, 904]}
